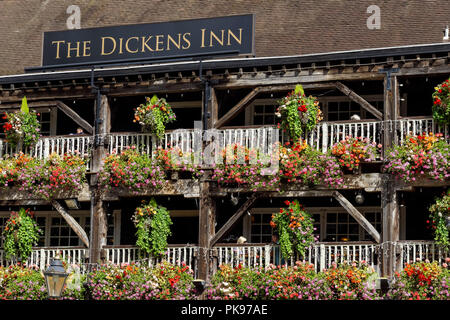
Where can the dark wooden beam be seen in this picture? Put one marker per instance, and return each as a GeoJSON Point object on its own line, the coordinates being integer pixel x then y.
{"type": "Point", "coordinates": [74, 116]}
{"type": "Point", "coordinates": [71, 222]}
{"type": "Point", "coordinates": [357, 215]}
{"type": "Point", "coordinates": [234, 218]}
{"type": "Point", "coordinates": [358, 99]}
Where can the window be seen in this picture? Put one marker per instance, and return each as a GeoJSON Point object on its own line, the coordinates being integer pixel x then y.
{"type": "Point", "coordinates": [341, 227]}
{"type": "Point", "coordinates": [264, 114]}
{"type": "Point", "coordinates": [260, 229]}
{"type": "Point", "coordinates": [342, 108]}
{"type": "Point", "coordinates": [61, 234]}
{"type": "Point", "coordinates": [375, 219]}
{"type": "Point", "coordinates": [57, 233]}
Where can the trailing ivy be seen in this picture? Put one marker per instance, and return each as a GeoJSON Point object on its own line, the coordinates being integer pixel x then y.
{"type": "Point", "coordinates": [153, 227]}
{"type": "Point", "coordinates": [20, 234]}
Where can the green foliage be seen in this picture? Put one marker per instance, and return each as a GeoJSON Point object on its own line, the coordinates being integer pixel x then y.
{"type": "Point", "coordinates": [153, 227]}
{"type": "Point", "coordinates": [21, 233]}
{"type": "Point", "coordinates": [299, 282]}
{"type": "Point", "coordinates": [439, 213]}
{"type": "Point", "coordinates": [295, 229]}
{"type": "Point", "coordinates": [154, 115]}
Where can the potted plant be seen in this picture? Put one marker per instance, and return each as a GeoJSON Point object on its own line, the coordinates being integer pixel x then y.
{"type": "Point", "coordinates": [154, 115]}
{"type": "Point", "coordinates": [299, 113]}
{"type": "Point", "coordinates": [22, 128]}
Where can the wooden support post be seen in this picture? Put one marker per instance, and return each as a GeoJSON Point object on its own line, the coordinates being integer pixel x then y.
{"type": "Point", "coordinates": [71, 222]}
{"type": "Point", "coordinates": [391, 226]}
{"type": "Point", "coordinates": [213, 108]}
{"type": "Point", "coordinates": [98, 210]}
{"type": "Point", "coordinates": [206, 230]}
{"type": "Point", "coordinates": [389, 201]}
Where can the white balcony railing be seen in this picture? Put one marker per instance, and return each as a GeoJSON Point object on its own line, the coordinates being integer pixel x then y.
{"type": "Point", "coordinates": [321, 255]}
{"type": "Point", "coordinates": [41, 257]}
{"type": "Point", "coordinates": [176, 255]}
{"type": "Point", "coordinates": [411, 251]}
{"type": "Point", "coordinates": [61, 145]}
{"type": "Point", "coordinates": [190, 140]}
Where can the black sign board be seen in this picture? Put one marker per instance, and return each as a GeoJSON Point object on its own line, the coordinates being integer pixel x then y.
{"type": "Point", "coordinates": [146, 42]}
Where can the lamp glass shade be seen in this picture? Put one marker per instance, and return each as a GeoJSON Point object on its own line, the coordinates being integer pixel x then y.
{"type": "Point", "coordinates": [55, 278]}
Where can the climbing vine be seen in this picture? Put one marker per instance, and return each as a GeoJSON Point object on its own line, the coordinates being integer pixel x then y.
{"type": "Point", "coordinates": [153, 227]}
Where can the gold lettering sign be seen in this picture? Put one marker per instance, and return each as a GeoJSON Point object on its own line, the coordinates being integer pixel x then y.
{"type": "Point", "coordinates": [189, 38]}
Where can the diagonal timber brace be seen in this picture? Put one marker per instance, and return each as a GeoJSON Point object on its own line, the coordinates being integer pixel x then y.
{"type": "Point", "coordinates": [234, 218]}
{"type": "Point", "coordinates": [357, 216]}
{"type": "Point", "coordinates": [71, 222]}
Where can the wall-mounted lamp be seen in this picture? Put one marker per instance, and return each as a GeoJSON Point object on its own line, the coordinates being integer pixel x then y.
{"type": "Point", "coordinates": [234, 200]}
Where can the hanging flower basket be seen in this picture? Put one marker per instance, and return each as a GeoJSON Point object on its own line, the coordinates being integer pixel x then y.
{"type": "Point", "coordinates": [441, 103]}
{"type": "Point", "coordinates": [154, 115]}
{"type": "Point", "coordinates": [22, 128]}
{"type": "Point", "coordinates": [152, 222]}
{"type": "Point", "coordinates": [20, 234]}
{"type": "Point", "coordinates": [299, 113]}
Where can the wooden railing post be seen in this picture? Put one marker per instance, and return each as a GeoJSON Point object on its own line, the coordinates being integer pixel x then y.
{"type": "Point", "coordinates": [322, 263]}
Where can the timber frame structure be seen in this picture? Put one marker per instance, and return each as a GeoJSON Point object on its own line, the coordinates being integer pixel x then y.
{"type": "Point", "coordinates": [247, 79]}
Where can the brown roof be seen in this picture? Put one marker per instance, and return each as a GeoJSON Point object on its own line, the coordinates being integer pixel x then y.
{"type": "Point", "coordinates": [283, 27]}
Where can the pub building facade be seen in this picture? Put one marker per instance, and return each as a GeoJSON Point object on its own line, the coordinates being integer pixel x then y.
{"type": "Point", "coordinates": [376, 218]}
